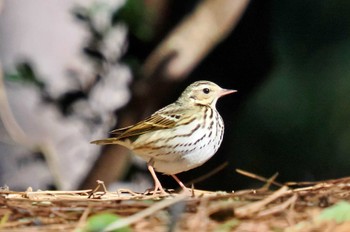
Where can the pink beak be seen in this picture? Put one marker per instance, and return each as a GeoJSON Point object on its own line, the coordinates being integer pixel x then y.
{"type": "Point", "coordinates": [227, 91]}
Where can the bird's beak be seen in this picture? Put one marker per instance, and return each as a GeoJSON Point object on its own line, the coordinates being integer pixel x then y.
{"type": "Point", "coordinates": [227, 91]}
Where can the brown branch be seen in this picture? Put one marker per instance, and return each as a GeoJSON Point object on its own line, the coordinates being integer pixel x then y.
{"type": "Point", "coordinates": [10, 123]}
{"type": "Point", "coordinates": [21, 138]}
{"type": "Point", "coordinates": [195, 37]}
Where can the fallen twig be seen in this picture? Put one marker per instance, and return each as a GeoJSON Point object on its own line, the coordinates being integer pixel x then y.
{"type": "Point", "coordinates": [144, 213]}
{"type": "Point", "coordinates": [257, 177]}
{"type": "Point", "coordinates": [248, 210]}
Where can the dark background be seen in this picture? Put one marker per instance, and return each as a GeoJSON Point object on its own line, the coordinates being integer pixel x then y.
{"type": "Point", "coordinates": [289, 61]}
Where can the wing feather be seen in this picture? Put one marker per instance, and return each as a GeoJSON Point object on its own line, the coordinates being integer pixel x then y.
{"type": "Point", "coordinates": [157, 121]}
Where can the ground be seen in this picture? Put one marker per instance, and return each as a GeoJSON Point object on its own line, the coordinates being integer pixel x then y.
{"type": "Point", "coordinates": [317, 206]}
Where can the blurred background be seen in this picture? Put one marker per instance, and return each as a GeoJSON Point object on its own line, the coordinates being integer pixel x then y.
{"type": "Point", "coordinates": [71, 71]}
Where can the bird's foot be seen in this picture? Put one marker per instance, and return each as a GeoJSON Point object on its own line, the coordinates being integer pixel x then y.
{"type": "Point", "coordinates": [185, 190]}
{"type": "Point", "coordinates": [156, 191]}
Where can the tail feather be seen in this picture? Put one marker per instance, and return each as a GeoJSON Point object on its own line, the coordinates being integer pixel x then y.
{"type": "Point", "coordinates": [107, 141]}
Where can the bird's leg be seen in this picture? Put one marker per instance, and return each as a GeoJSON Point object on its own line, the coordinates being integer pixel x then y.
{"type": "Point", "coordinates": [157, 184]}
{"type": "Point", "coordinates": [181, 184]}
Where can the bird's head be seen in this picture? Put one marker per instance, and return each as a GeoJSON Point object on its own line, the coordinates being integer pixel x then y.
{"type": "Point", "coordinates": [204, 93]}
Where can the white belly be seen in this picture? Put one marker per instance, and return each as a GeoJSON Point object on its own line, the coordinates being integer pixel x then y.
{"type": "Point", "coordinates": [182, 153]}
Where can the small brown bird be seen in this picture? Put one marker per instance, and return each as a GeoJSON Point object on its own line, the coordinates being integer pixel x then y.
{"type": "Point", "coordinates": [178, 137]}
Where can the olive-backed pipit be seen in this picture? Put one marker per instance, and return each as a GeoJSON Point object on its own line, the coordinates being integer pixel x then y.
{"type": "Point", "coordinates": [178, 137]}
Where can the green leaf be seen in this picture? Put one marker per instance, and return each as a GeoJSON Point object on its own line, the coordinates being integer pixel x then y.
{"type": "Point", "coordinates": [25, 74]}
{"type": "Point", "coordinates": [228, 226]}
{"type": "Point", "coordinates": [138, 17]}
{"type": "Point", "coordinates": [99, 222]}
{"type": "Point", "coordinates": [339, 212]}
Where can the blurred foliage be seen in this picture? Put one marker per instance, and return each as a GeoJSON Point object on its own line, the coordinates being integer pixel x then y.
{"type": "Point", "coordinates": [141, 22]}
{"type": "Point", "coordinates": [101, 20]}
{"type": "Point", "coordinates": [138, 17]}
{"type": "Point", "coordinates": [24, 74]}
{"type": "Point", "coordinates": [99, 222]}
{"type": "Point", "coordinates": [298, 122]}
{"type": "Point", "coordinates": [229, 225]}
{"type": "Point", "coordinates": [339, 212]}
{"type": "Point", "coordinates": [97, 31]}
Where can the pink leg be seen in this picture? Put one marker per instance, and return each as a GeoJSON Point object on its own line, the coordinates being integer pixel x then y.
{"type": "Point", "coordinates": [157, 185]}
{"type": "Point", "coordinates": [180, 183]}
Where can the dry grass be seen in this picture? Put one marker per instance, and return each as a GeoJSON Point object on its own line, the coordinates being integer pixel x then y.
{"type": "Point", "coordinates": [292, 207]}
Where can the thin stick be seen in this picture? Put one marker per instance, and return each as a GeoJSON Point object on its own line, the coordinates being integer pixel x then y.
{"type": "Point", "coordinates": [83, 218]}
{"type": "Point", "coordinates": [250, 209]}
{"type": "Point", "coordinates": [279, 208]}
{"type": "Point", "coordinates": [144, 213]}
{"type": "Point", "coordinates": [257, 177]}
{"type": "Point", "coordinates": [99, 184]}
{"type": "Point", "coordinates": [209, 174]}
{"type": "Point", "coordinates": [269, 181]}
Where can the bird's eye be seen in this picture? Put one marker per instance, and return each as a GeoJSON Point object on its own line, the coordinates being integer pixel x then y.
{"type": "Point", "coordinates": [206, 90]}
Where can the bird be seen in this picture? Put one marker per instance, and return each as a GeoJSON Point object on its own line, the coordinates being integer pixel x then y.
{"type": "Point", "coordinates": [178, 137]}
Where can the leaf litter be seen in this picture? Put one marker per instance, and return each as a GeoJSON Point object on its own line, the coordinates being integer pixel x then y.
{"type": "Point", "coordinates": [303, 206]}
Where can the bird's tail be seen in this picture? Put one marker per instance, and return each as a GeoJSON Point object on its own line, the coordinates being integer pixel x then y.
{"type": "Point", "coordinates": [108, 141]}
